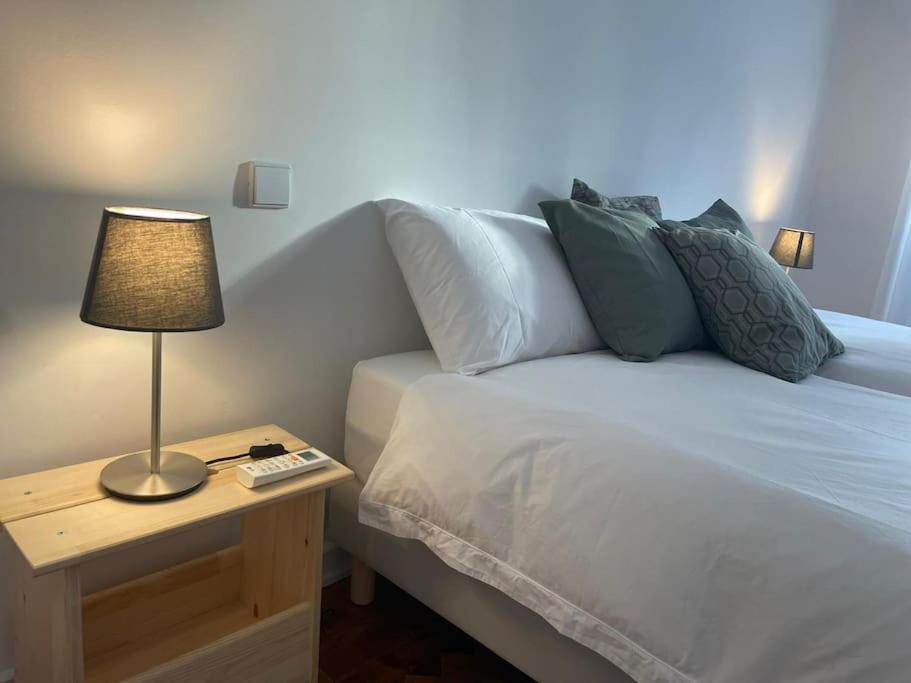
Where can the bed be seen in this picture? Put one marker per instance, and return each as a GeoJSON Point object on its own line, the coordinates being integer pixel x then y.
{"type": "Point", "coordinates": [508, 621]}
{"type": "Point", "coordinates": [592, 519]}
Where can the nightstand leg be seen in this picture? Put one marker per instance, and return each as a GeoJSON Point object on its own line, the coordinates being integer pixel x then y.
{"type": "Point", "coordinates": [315, 573]}
{"type": "Point", "coordinates": [49, 626]}
{"type": "Point", "coordinates": [283, 561]}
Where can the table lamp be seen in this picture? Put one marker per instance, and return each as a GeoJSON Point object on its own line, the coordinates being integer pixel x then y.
{"type": "Point", "coordinates": [793, 248]}
{"type": "Point", "coordinates": [153, 270]}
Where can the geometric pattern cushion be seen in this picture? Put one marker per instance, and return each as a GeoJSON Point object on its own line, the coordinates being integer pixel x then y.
{"type": "Point", "coordinates": [721, 216]}
{"type": "Point", "coordinates": [752, 310]}
{"type": "Point", "coordinates": [643, 203]}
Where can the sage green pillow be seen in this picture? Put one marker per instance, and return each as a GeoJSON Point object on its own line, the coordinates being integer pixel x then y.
{"type": "Point", "coordinates": [633, 290]}
{"type": "Point", "coordinates": [749, 306]}
{"type": "Point", "coordinates": [720, 216]}
{"type": "Point", "coordinates": [646, 203]}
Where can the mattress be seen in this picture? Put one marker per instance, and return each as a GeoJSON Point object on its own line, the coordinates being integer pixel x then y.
{"type": "Point", "coordinates": [688, 519]}
{"type": "Point", "coordinates": [877, 354]}
{"type": "Point", "coordinates": [377, 386]}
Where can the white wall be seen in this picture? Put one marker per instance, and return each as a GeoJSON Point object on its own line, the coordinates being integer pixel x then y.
{"type": "Point", "coordinates": [861, 153]}
{"type": "Point", "coordinates": [487, 104]}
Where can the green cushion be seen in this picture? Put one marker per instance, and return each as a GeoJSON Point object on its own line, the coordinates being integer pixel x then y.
{"type": "Point", "coordinates": [753, 311]}
{"type": "Point", "coordinates": [634, 292]}
{"type": "Point", "coordinates": [719, 216]}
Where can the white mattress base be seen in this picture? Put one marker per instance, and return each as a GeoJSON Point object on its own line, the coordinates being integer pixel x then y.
{"type": "Point", "coordinates": [377, 386]}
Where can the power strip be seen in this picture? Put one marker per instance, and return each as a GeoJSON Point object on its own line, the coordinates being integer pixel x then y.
{"type": "Point", "coordinates": [269, 470]}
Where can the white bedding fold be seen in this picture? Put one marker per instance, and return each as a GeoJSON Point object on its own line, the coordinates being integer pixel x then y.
{"type": "Point", "coordinates": [688, 519]}
{"type": "Point", "coordinates": [877, 354]}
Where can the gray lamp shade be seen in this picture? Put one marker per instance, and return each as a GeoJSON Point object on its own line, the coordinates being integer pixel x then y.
{"type": "Point", "coordinates": [793, 248]}
{"type": "Point", "coordinates": [154, 270]}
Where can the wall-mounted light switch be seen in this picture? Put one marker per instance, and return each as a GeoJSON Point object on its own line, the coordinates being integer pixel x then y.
{"type": "Point", "coordinates": [268, 184]}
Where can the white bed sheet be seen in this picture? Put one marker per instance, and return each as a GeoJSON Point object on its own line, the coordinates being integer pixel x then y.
{"type": "Point", "coordinates": [877, 354]}
{"type": "Point", "coordinates": [377, 386]}
{"type": "Point", "coordinates": [688, 519]}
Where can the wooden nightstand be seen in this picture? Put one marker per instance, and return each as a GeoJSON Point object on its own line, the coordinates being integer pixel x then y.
{"type": "Point", "coordinates": [247, 613]}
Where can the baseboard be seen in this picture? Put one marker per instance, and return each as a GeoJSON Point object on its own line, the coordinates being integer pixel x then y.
{"type": "Point", "coordinates": [336, 564]}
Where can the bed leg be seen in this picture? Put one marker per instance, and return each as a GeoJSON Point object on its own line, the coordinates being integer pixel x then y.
{"type": "Point", "coordinates": [363, 582]}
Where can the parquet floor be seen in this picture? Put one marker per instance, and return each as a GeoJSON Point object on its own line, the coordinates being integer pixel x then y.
{"type": "Point", "coordinates": [398, 640]}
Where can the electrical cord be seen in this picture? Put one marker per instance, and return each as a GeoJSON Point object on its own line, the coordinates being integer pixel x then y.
{"type": "Point", "coordinates": [255, 452]}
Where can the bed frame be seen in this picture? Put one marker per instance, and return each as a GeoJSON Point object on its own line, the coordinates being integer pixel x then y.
{"type": "Point", "coordinates": [514, 632]}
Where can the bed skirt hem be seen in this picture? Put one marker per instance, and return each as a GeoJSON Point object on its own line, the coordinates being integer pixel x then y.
{"type": "Point", "coordinates": [568, 619]}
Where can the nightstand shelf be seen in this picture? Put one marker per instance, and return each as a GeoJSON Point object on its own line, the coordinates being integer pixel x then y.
{"type": "Point", "coordinates": [188, 619]}
{"type": "Point", "coordinates": [246, 613]}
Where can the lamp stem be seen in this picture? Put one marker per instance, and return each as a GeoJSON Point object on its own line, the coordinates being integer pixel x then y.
{"type": "Point", "coordinates": [155, 451]}
{"type": "Point", "coordinates": [787, 269]}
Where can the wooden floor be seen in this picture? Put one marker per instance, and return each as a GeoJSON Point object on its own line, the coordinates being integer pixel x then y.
{"type": "Point", "coordinates": [398, 640]}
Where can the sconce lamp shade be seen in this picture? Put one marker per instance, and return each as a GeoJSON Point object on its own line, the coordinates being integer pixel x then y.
{"type": "Point", "coordinates": [793, 248]}
{"type": "Point", "coordinates": [154, 270]}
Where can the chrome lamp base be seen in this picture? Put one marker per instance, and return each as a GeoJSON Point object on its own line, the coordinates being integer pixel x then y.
{"type": "Point", "coordinates": [154, 474]}
{"type": "Point", "coordinates": [131, 476]}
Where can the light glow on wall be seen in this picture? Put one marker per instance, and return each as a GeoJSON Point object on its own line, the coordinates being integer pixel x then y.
{"type": "Point", "coordinates": [116, 131]}
{"type": "Point", "coordinates": [768, 183]}
{"type": "Point", "coordinates": [777, 146]}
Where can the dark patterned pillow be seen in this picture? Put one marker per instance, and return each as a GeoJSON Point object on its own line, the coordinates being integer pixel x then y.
{"type": "Point", "coordinates": [647, 204]}
{"type": "Point", "coordinates": [721, 216]}
{"type": "Point", "coordinates": [752, 310]}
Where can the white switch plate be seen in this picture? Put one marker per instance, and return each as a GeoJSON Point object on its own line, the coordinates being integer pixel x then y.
{"type": "Point", "coordinates": [268, 184]}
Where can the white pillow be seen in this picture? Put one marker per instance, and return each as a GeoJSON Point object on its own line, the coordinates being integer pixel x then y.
{"type": "Point", "coordinates": [492, 288]}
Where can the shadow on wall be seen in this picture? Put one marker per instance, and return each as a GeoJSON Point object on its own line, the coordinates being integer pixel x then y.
{"type": "Point", "coordinates": [528, 204]}
{"type": "Point", "coordinates": [806, 181]}
{"type": "Point", "coordinates": [302, 319]}
{"type": "Point", "coordinates": [239, 194]}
